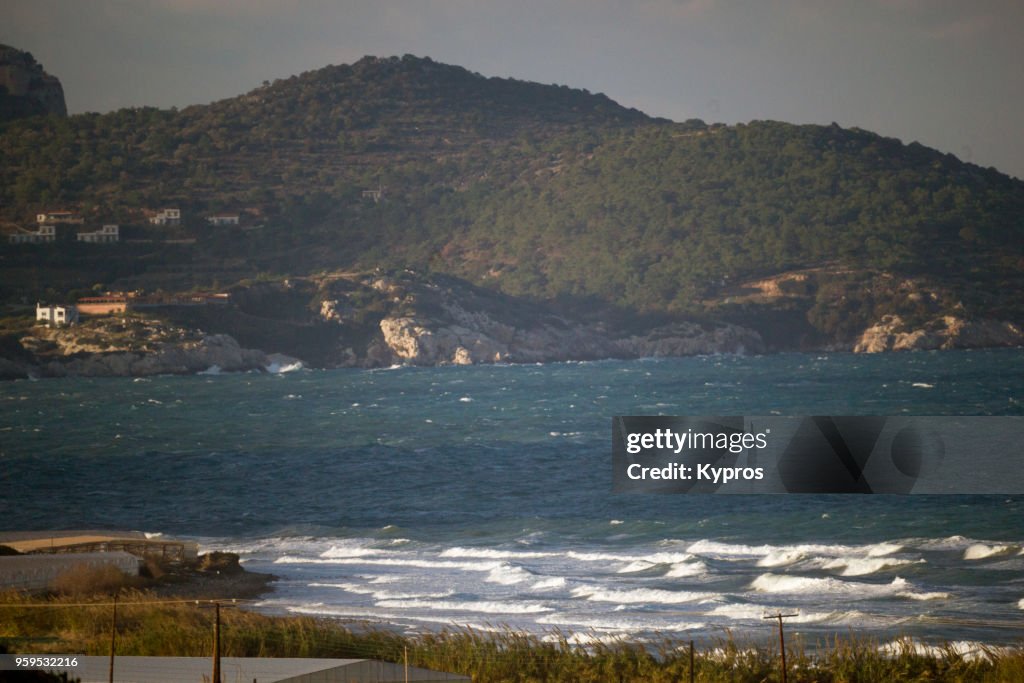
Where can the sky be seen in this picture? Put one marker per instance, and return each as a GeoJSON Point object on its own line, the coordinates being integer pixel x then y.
{"type": "Point", "coordinates": [946, 73]}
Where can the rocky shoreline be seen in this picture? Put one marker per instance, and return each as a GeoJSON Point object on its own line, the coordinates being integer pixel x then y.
{"type": "Point", "coordinates": [368, 320]}
{"type": "Point", "coordinates": [425, 342]}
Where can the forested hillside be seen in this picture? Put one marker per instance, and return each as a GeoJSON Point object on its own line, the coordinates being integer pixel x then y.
{"type": "Point", "coordinates": [535, 190]}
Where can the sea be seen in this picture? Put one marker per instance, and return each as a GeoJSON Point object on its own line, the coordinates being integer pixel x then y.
{"type": "Point", "coordinates": [425, 499]}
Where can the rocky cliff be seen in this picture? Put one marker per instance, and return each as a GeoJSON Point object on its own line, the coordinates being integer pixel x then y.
{"type": "Point", "coordinates": [892, 333]}
{"type": "Point", "coordinates": [446, 321]}
{"type": "Point", "coordinates": [133, 347]}
{"type": "Point", "coordinates": [25, 88]}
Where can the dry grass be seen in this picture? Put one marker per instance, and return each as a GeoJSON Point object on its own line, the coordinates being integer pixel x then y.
{"type": "Point", "coordinates": [62, 624]}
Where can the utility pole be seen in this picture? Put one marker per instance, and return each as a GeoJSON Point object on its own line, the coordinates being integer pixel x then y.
{"type": "Point", "coordinates": [693, 674]}
{"type": "Point", "coordinates": [216, 643]}
{"type": "Point", "coordinates": [782, 639]}
{"type": "Point", "coordinates": [113, 635]}
{"type": "Point", "coordinates": [405, 650]}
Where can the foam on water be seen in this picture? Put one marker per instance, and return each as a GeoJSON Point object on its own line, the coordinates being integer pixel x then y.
{"type": "Point", "coordinates": [619, 626]}
{"type": "Point", "coordinates": [494, 553]}
{"type": "Point", "coordinates": [747, 612]}
{"type": "Point", "coordinates": [854, 590]}
{"type": "Point", "coordinates": [861, 566]}
{"type": "Point", "coordinates": [481, 606]}
{"type": "Point", "coordinates": [392, 562]}
{"type": "Point", "coordinates": [775, 555]}
{"type": "Point", "coordinates": [507, 575]}
{"type": "Point", "coordinates": [653, 596]}
{"type": "Point", "coordinates": [980, 551]}
{"type": "Point", "coordinates": [969, 650]}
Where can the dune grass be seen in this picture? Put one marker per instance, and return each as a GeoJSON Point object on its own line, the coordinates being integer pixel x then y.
{"type": "Point", "coordinates": [74, 624]}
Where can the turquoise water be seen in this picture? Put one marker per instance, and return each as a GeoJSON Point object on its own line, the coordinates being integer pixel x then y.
{"type": "Point", "coordinates": [482, 495]}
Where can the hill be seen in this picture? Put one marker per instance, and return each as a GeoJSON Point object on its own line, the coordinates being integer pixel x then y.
{"type": "Point", "coordinates": [537, 191]}
{"type": "Point", "coordinates": [25, 87]}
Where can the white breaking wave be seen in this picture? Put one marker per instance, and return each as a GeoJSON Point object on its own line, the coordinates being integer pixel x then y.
{"type": "Point", "coordinates": [393, 562]}
{"type": "Point", "coordinates": [507, 575]}
{"type": "Point", "coordinates": [549, 583]}
{"type": "Point", "coordinates": [380, 594]}
{"type": "Point", "coordinates": [280, 365]}
{"type": "Point", "coordinates": [652, 558]}
{"type": "Point", "coordinates": [617, 626]}
{"type": "Point", "coordinates": [970, 650]}
{"type": "Point", "coordinates": [788, 554]}
{"type": "Point", "coordinates": [641, 595]}
{"type": "Point", "coordinates": [684, 569]}
{"type": "Point", "coordinates": [758, 612]}
{"type": "Point", "coordinates": [779, 558]}
{"type": "Point", "coordinates": [979, 551]}
{"type": "Point", "coordinates": [637, 566]}
{"type": "Point", "coordinates": [482, 606]}
{"type": "Point", "coordinates": [860, 566]}
{"type": "Point", "coordinates": [336, 551]}
{"type": "Point", "coordinates": [495, 554]}
{"type": "Point", "coordinates": [775, 583]}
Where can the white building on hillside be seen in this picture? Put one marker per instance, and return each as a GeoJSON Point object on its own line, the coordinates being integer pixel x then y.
{"type": "Point", "coordinates": [108, 233]}
{"type": "Point", "coordinates": [44, 233]}
{"type": "Point", "coordinates": [223, 219]}
{"type": "Point", "coordinates": [166, 217]}
{"type": "Point", "coordinates": [58, 315]}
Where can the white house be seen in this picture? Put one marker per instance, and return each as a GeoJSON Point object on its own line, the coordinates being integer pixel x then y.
{"type": "Point", "coordinates": [223, 219]}
{"type": "Point", "coordinates": [166, 217]}
{"type": "Point", "coordinates": [44, 233]}
{"type": "Point", "coordinates": [58, 315]}
{"type": "Point", "coordinates": [108, 233]}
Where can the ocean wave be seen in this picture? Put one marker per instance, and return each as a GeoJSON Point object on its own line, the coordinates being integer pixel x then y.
{"type": "Point", "coordinates": [651, 558]}
{"type": "Point", "coordinates": [278, 368]}
{"type": "Point", "coordinates": [392, 562]}
{"type": "Point", "coordinates": [549, 583]}
{"type": "Point", "coordinates": [379, 594]}
{"type": "Point", "coordinates": [507, 575]}
{"type": "Point", "coordinates": [788, 554]}
{"type": "Point", "coordinates": [898, 587]}
{"type": "Point", "coordinates": [618, 626]}
{"type": "Point", "coordinates": [861, 566]}
{"type": "Point", "coordinates": [482, 606]}
{"type": "Point", "coordinates": [340, 551]}
{"type": "Point", "coordinates": [969, 650]}
{"type": "Point", "coordinates": [641, 595]}
{"type": "Point", "coordinates": [979, 551]}
{"type": "Point", "coordinates": [491, 553]}
{"type": "Point", "coordinates": [748, 612]}
{"type": "Point", "coordinates": [780, 558]}
{"type": "Point", "coordinates": [684, 569]}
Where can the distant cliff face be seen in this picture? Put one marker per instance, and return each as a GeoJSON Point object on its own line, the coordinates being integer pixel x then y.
{"type": "Point", "coordinates": [25, 88]}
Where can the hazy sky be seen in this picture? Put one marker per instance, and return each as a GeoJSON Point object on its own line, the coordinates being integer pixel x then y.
{"type": "Point", "coordinates": [947, 73]}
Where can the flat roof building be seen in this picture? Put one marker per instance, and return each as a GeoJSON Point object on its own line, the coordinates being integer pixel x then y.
{"type": "Point", "coordinates": [56, 314]}
{"type": "Point", "coordinates": [245, 669]}
{"type": "Point", "coordinates": [108, 233]}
